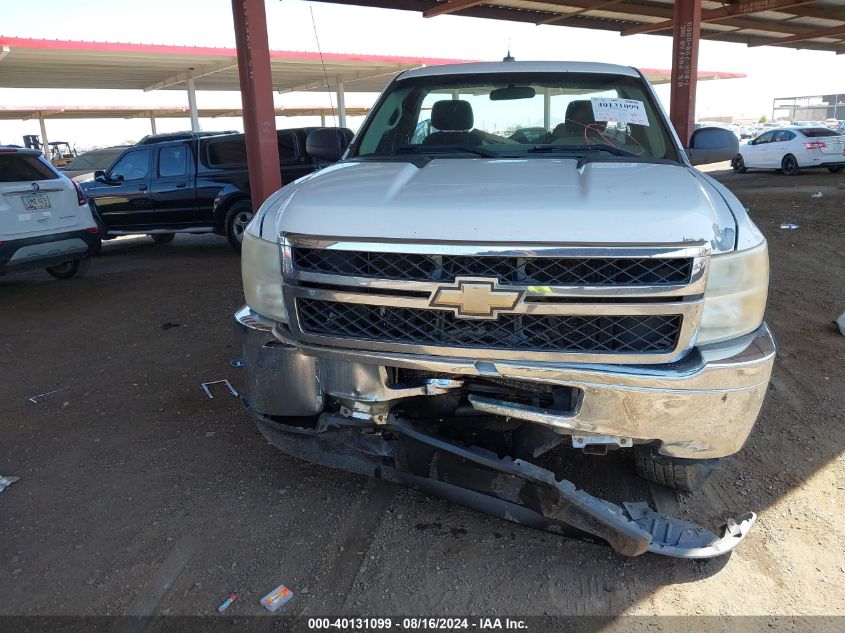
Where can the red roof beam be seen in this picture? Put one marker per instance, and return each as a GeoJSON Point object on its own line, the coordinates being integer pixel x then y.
{"type": "Point", "coordinates": [743, 7]}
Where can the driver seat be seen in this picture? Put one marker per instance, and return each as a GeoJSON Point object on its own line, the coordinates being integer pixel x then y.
{"type": "Point", "coordinates": [453, 118]}
{"type": "Point", "coordinates": [579, 115]}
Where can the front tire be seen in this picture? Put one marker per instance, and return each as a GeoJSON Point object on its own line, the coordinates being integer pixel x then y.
{"type": "Point", "coordinates": [834, 170]}
{"type": "Point", "coordinates": [68, 270]}
{"type": "Point", "coordinates": [239, 215]}
{"type": "Point", "coordinates": [162, 238]}
{"type": "Point", "coordinates": [681, 474]}
{"type": "Point", "coordinates": [738, 165]}
{"type": "Point", "coordinates": [789, 166]}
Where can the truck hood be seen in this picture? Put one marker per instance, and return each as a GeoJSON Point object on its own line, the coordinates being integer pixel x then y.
{"type": "Point", "coordinates": [506, 200]}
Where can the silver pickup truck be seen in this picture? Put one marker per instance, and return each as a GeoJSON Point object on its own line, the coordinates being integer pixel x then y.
{"type": "Point", "coordinates": [511, 258]}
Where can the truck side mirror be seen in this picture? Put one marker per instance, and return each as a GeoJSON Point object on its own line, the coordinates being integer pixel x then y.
{"type": "Point", "coordinates": [100, 175]}
{"type": "Point", "coordinates": [328, 143]}
{"type": "Point", "coordinates": [712, 145]}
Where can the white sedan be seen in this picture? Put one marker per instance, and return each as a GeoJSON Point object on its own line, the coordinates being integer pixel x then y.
{"type": "Point", "coordinates": [791, 149]}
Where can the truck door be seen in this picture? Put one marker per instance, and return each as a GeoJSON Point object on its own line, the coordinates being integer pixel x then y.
{"type": "Point", "coordinates": [123, 199]}
{"type": "Point", "coordinates": [172, 186]}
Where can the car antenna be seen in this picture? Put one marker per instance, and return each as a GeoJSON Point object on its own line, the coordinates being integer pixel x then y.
{"type": "Point", "coordinates": [509, 57]}
{"type": "Point", "coordinates": [326, 75]}
{"type": "Point", "coordinates": [323, 64]}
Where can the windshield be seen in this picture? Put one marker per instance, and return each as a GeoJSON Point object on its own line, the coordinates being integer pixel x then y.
{"type": "Point", "coordinates": [517, 114]}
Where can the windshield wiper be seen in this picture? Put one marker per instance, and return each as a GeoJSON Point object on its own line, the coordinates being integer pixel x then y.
{"type": "Point", "coordinates": [433, 149]}
{"type": "Point", "coordinates": [595, 147]}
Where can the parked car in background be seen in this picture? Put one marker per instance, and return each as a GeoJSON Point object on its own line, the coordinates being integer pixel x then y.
{"type": "Point", "coordinates": [188, 184]}
{"type": "Point", "coordinates": [747, 131]}
{"type": "Point", "coordinates": [791, 149]}
{"type": "Point", "coordinates": [45, 221]}
{"type": "Point", "coordinates": [83, 166]}
{"type": "Point", "coordinates": [734, 129]}
{"type": "Point", "coordinates": [530, 135]}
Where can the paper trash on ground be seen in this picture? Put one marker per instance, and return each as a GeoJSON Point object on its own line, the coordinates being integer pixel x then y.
{"type": "Point", "coordinates": [5, 482]}
{"type": "Point", "coordinates": [276, 598]}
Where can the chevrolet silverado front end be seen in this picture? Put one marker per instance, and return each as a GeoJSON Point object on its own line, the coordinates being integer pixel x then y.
{"type": "Point", "coordinates": [449, 281]}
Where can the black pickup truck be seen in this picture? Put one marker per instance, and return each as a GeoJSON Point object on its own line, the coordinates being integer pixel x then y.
{"type": "Point", "coordinates": [199, 184]}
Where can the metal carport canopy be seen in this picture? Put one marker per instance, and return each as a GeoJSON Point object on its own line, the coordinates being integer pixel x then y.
{"type": "Point", "coordinates": [807, 24]}
{"type": "Point", "coordinates": [27, 112]}
{"type": "Point", "coordinates": [34, 63]}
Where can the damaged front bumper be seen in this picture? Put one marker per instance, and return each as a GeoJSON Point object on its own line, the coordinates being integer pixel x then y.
{"type": "Point", "coordinates": [700, 407]}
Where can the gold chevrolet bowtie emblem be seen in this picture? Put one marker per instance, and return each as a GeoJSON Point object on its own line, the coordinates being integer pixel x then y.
{"type": "Point", "coordinates": [475, 298]}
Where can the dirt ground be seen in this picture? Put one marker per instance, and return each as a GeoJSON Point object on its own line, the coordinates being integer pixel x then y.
{"type": "Point", "coordinates": [139, 495]}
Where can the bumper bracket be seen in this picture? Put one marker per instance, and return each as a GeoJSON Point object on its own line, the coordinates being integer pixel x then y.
{"type": "Point", "coordinates": [512, 489]}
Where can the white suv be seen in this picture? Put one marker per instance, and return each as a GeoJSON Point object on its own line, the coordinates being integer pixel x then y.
{"type": "Point", "coordinates": [44, 217]}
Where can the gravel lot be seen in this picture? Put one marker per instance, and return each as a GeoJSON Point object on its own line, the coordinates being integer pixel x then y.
{"type": "Point", "coordinates": [139, 495]}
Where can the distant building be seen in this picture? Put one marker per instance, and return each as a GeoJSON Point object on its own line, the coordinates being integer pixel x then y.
{"type": "Point", "coordinates": [810, 108]}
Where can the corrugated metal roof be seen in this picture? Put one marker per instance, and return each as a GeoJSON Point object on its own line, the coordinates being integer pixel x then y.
{"type": "Point", "coordinates": [37, 63]}
{"type": "Point", "coordinates": [32, 63]}
{"type": "Point", "coordinates": [789, 23]}
{"type": "Point", "coordinates": [27, 112]}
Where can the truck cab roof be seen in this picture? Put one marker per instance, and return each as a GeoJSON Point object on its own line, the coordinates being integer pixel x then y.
{"type": "Point", "coordinates": [528, 67]}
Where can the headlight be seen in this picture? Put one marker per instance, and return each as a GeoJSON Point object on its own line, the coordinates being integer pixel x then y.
{"type": "Point", "coordinates": [262, 277]}
{"type": "Point", "coordinates": [735, 298]}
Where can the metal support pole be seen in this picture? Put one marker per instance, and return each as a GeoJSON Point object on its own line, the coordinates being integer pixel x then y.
{"type": "Point", "coordinates": [262, 145]}
{"type": "Point", "coordinates": [322, 120]}
{"type": "Point", "coordinates": [687, 30]}
{"type": "Point", "coordinates": [153, 125]}
{"type": "Point", "coordinates": [547, 109]}
{"type": "Point", "coordinates": [341, 104]}
{"type": "Point", "coordinates": [45, 144]}
{"type": "Point", "coordinates": [192, 104]}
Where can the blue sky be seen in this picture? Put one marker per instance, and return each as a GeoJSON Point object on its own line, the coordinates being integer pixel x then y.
{"type": "Point", "coordinates": [772, 72]}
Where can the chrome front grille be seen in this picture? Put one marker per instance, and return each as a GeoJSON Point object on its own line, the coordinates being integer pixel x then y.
{"type": "Point", "coordinates": [523, 332]}
{"type": "Point", "coordinates": [611, 304]}
{"type": "Point", "coordinates": [520, 271]}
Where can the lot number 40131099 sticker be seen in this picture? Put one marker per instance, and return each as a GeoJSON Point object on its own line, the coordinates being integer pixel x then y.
{"type": "Point", "coordinates": [626, 111]}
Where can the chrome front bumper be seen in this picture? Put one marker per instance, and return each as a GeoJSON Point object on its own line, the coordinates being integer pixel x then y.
{"type": "Point", "coordinates": [703, 406]}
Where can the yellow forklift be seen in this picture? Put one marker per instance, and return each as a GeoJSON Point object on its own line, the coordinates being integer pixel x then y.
{"type": "Point", "coordinates": [61, 152]}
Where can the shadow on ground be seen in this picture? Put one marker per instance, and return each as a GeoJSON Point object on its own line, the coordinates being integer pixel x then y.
{"type": "Point", "coordinates": [140, 495]}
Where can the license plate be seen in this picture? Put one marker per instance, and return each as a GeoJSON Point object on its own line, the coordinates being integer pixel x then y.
{"type": "Point", "coordinates": [36, 201]}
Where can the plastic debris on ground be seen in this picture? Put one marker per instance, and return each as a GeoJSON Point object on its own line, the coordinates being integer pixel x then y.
{"type": "Point", "coordinates": [841, 323]}
{"type": "Point", "coordinates": [817, 195]}
{"type": "Point", "coordinates": [206, 385]}
{"type": "Point", "coordinates": [276, 598]}
{"type": "Point", "coordinates": [791, 227]}
{"type": "Point", "coordinates": [35, 399]}
{"type": "Point", "coordinates": [5, 482]}
{"type": "Point", "coordinates": [228, 601]}
{"type": "Point", "coordinates": [237, 362]}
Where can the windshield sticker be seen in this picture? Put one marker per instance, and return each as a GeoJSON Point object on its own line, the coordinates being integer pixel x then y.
{"type": "Point", "coordinates": [627, 111]}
